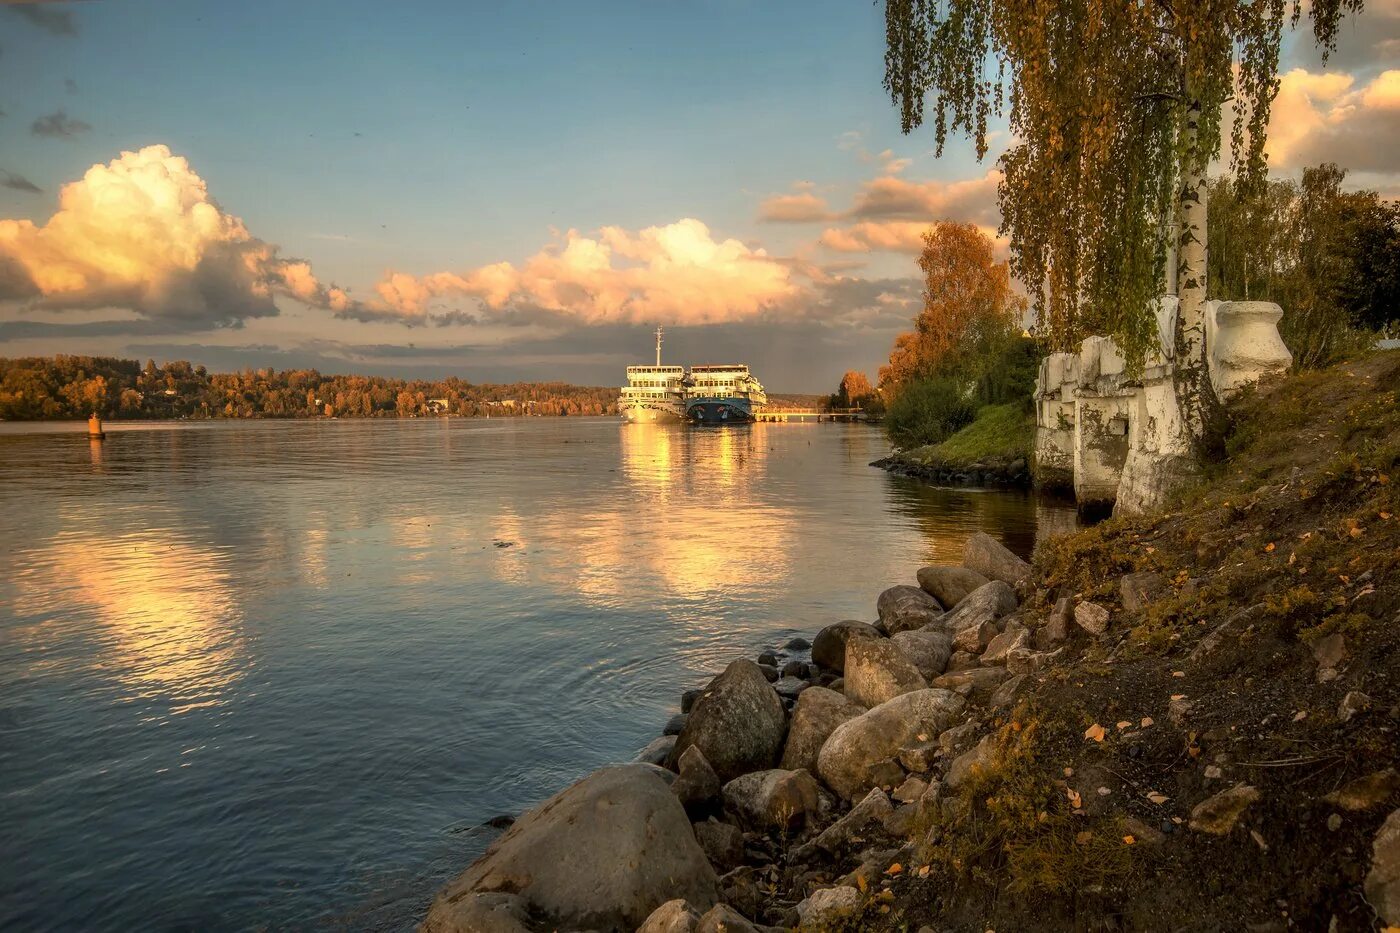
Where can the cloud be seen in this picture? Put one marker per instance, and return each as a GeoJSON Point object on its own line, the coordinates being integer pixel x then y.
{"type": "Point", "coordinates": [141, 233]}
{"type": "Point", "coordinates": [802, 207]}
{"type": "Point", "coordinates": [678, 273]}
{"type": "Point", "coordinates": [58, 125]}
{"type": "Point", "coordinates": [17, 182]}
{"type": "Point", "coordinates": [1364, 41]}
{"type": "Point", "coordinates": [1326, 117]}
{"type": "Point", "coordinates": [890, 214]}
{"type": "Point", "coordinates": [58, 22]}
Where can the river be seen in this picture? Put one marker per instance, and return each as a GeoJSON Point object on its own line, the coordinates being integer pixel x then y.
{"type": "Point", "coordinates": [270, 675]}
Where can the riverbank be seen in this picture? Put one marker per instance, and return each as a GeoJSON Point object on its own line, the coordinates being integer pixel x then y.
{"type": "Point", "coordinates": [1185, 720]}
{"type": "Point", "coordinates": [994, 450]}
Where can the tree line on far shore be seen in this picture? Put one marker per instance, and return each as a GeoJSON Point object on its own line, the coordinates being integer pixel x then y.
{"type": "Point", "coordinates": [67, 386]}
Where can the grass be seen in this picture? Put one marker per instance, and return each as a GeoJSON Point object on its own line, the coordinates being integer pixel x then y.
{"type": "Point", "coordinates": [1000, 433]}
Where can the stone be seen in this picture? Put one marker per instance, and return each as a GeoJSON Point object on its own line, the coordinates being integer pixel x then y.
{"type": "Point", "coordinates": [689, 697]}
{"type": "Point", "coordinates": [928, 648]}
{"type": "Point", "coordinates": [847, 761]}
{"type": "Point", "coordinates": [1382, 885]}
{"type": "Point", "coordinates": [1023, 661]}
{"type": "Point", "coordinates": [601, 854]}
{"type": "Point", "coordinates": [975, 638]}
{"type": "Point", "coordinates": [1015, 635]}
{"type": "Point", "coordinates": [1218, 815]}
{"type": "Point", "coordinates": [829, 647]}
{"type": "Point", "coordinates": [491, 912]}
{"type": "Point", "coordinates": [950, 585]}
{"type": "Point", "coordinates": [773, 799]}
{"type": "Point", "coordinates": [975, 762]}
{"type": "Point", "coordinates": [1007, 692]}
{"type": "Point", "coordinates": [790, 687]}
{"type": "Point", "coordinates": [1056, 628]}
{"type": "Point", "coordinates": [911, 790]}
{"type": "Point", "coordinates": [961, 661]}
{"type": "Point", "coordinates": [919, 757]}
{"type": "Point", "coordinates": [984, 604]}
{"type": "Point", "coordinates": [871, 810]}
{"type": "Point", "coordinates": [902, 608]}
{"type": "Point", "coordinates": [980, 682]}
{"type": "Point", "coordinates": [1137, 590]}
{"type": "Point", "coordinates": [1354, 702]}
{"type": "Point", "coordinates": [675, 916]}
{"type": "Point", "coordinates": [658, 750]}
{"type": "Point", "coordinates": [769, 672]}
{"type": "Point", "coordinates": [886, 773]}
{"type": "Point", "coordinates": [817, 714]}
{"type": "Point", "coordinates": [797, 644]}
{"type": "Point", "coordinates": [1091, 617]}
{"type": "Point", "coordinates": [986, 555]}
{"type": "Point", "coordinates": [674, 725]}
{"type": "Point", "coordinates": [828, 908]}
{"type": "Point", "coordinates": [1229, 630]}
{"type": "Point", "coordinates": [1329, 653]}
{"type": "Point", "coordinates": [1366, 792]}
{"type": "Point", "coordinates": [722, 918]}
{"type": "Point", "coordinates": [876, 671]}
{"type": "Point", "coordinates": [1141, 832]}
{"type": "Point", "coordinates": [1179, 710]}
{"type": "Point", "coordinates": [794, 669]}
{"type": "Point", "coordinates": [722, 843]}
{"type": "Point", "coordinates": [696, 784]}
{"type": "Point", "coordinates": [950, 740]}
{"type": "Point", "coordinates": [738, 723]}
{"type": "Point", "coordinates": [768, 658]}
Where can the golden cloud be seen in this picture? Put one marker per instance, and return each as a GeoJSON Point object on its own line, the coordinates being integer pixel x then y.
{"type": "Point", "coordinates": [1326, 117]}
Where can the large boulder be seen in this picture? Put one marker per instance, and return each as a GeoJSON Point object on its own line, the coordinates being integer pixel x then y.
{"type": "Point", "coordinates": [671, 917]}
{"type": "Point", "coordinates": [829, 647]}
{"type": "Point", "coordinates": [696, 784]}
{"type": "Point", "coordinates": [775, 799]}
{"type": "Point", "coordinates": [600, 855]}
{"type": "Point", "coordinates": [928, 648]}
{"type": "Point", "coordinates": [1383, 880]}
{"type": "Point", "coordinates": [876, 671]}
{"type": "Point", "coordinates": [489, 912]}
{"type": "Point", "coordinates": [902, 608]}
{"type": "Point", "coordinates": [817, 714]}
{"type": "Point", "coordinates": [993, 560]}
{"type": "Point", "coordinates": [949, 585]}
{"type": "Point", "coordinates": [829, 908]}
{"type": "Point", "coordinates": [984, 604]}
{"type": "Point", "coordinates": [858, 748]}
{"type": "Point", "coordinates": [852, 827]}
{"type": "Point", "coordinates": [738, 723]}
{"type": "Point", "coordinates": [722, 918]}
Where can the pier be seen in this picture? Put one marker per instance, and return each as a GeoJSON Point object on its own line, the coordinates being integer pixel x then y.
{"type": "Point", "coordinates": [812, 414]}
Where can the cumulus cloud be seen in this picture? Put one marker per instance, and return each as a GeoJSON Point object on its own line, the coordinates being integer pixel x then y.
{"type": "Point", "coordinates": [141, 233]}
{"type": "Point", "coordinates": [1327, 117]}
{"type": "Point", "coordinates": [16, 182]}
{"type": "Point", "coordinates": [800, 207]}
{"type": "Point", "coordinates": [679, 273]}
{"type": "Point", "coordinates": [58, 125]}
{"type": "Point", "coordinates": [890, 213]}
{"type": "Point", "coordinates": [58, 22]}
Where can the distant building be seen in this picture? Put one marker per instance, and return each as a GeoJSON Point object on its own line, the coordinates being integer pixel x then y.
{"type": "Point", "coordinates": [438, 406]}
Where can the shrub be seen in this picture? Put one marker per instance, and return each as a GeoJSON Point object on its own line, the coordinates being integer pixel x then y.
{"type": "Point", "coordinates": [926, 411]}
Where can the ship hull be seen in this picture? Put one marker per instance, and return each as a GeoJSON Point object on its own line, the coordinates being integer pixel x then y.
{"type": "Point", "coordinates": [652, 415]}
{"type": "Point", "coordinates": [719, 411]}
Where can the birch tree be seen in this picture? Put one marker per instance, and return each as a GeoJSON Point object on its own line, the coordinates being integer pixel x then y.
{"type": "Point", "coordinates": [1115, 108]}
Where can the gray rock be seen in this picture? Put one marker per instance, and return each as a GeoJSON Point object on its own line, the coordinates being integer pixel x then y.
{"type": "Point", "coordinates": [768, 658]}
{"type": "Point", "coordinates": [984, 604]}
{"type": "Point", "coordinates": [928, 648]}
{"type": "Point", "coordinates": [798, 644]}
{"type": "Point", "coordinates": [978, 683]}
{"type": "Point", "coordinates": [876, 671]}
{"type": "Point", "coordinates": [847, 762]}
{"type": "Point", "coordinates": [769, 672]}
{"type": "Point", "coordinates": [1329, 652]}
{"type": "Point", "coordinates": [1023, 661]}
{"type": "Point", "coordinates": [738, 723]}
{"type": "Point", "coordinates": [1137, 590]}
{"type": "Point", "coordinates": [919, 757]}
{"type": "Point", "coordinates": [829, 647]}
{"type": "Point", "coordinates": [950, 585]}
{"type": "Point", "coordinates": [1366, 792]}
{"type": "Point", "coordinates": [790, 687]}
{"type": "Point", "coordinates": [722, 918]}
{"type": "Point", "coordinates": [489, 912]}
{"type": "Point", "coordinates": [774, 799]}
{"type": "Point", "coordinates": [696, 784]}
{"type": "Point", "coordinates": [850, 828]}
{"type": "Point", "coordinates": [794, 669]}
{"type": "Point", "coordinates": [722, 843]}
{"type": "Point", "coordinates": [911, 790]}
{"type": "Point", "coordinates": [602, 855]}
{"type": "Point", "coordinates": [658, 750]}
{"type": "Point", "coordinates": [1091, 617]}
{"type": "Point", "coordinates": [1056, 628]}
{"type": "Point", "coordinates": [675, 916]}
{"type": "Point", "coordinates": [689, 697]}
{"type": "Point", "coordinates": [1015, 635]}
{"type": "Point", "coordinates": [829, 908]}
{"type": "Point", "coordinates": [1354, 702]}
{"type": "Point", "coordinates": [1231, 629]}
{"type": "Point", "coordinates": [817, 714]}
{"type": "Point", "coordinates": [1217, 815]}
{"type": "Point", "coordinates": [974, 763]}
{"type": "Point", "coordinates": [975, 638]}
{"type": "Point", "coordinates": [902, 608]}
{"type": "Point", "coordinates": [960, 661]}
{"type": "Point", "coordinates": [1383, 880]}
{"type": "Point", "coordinates": [674, 725]}
{"type": "Point", "coordinates": [991, 559]}
{"type": "Point", "coordinates": [1008, 692]}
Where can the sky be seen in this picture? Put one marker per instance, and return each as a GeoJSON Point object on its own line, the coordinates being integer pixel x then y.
{"type": "Point", "coordinates": [509, 191]}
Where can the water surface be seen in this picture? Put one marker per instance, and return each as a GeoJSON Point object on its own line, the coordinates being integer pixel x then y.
{"type": "Point", "coordinates": [276, 674]}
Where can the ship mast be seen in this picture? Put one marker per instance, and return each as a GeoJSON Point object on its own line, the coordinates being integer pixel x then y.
{"type": "Point", "coordinates": [658, 345]}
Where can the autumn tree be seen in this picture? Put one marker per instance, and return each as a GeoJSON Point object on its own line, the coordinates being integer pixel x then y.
{"type": "Point", "coordinates": [969, 306]}
{"type": "Point", "coordinates": [854, 389]}
{"type": "Point", "coordinates": [1116, 109]}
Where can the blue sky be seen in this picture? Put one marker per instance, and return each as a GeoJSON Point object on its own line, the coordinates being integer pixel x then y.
{"type": "Point", "coordinates": [436, 139]}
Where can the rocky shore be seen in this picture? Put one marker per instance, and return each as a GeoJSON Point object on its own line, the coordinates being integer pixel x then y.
{"type": "Point", "coordinates": [1011, 472]}
{"type": "Point", "coordinates": [1185, 721]}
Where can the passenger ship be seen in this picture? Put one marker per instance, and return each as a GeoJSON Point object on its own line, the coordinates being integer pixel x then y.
{"type": "Point", "coordinates": [723, 394]}
{"type": "Point", "coordinates": [653, 394]}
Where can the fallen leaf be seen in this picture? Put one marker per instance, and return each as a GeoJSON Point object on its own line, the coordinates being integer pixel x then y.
{"type": "Point", "coordinates": [1178, 673]}
{"type": "Point", "coordinates": [1129, 840]}
{"type": "Point", "coordinates": [1269, 546]}
{"type": "Point", "coordinates": [1146, 721]}
{"type": "Point", "coordinates": [1300, 715]}
{"type": "Point", "coordinates": [894, 869]}
{"type": "Point", "coordinates": [1157, 798]}
{"type": "Point", "coordinates": [923, 736]}
{"type": "Point", "coordinates": [923, 871]}
{"type": "Point", "coordinates": [1178, 696]}
{"type": "Point", "coordinates": [1123, 724]}
{"type": "Point", "coordinates": [862, 883]}
{"type": "Point", "coordinates": [1074, 798]}
{"type": "Point", "coordinates": [1083, 838]}
{"type": "Point", "coordinates": [1095, 733]}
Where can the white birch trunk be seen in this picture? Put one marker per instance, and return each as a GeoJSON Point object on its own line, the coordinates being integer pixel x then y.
{"type": "Point", "coordinates": [1192, 372]}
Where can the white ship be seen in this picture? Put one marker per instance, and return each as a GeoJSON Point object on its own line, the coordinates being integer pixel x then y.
{"type": "Point", "coordinates": [725, 394]}
{"type": "Point", "coordinates": [653, 393]}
